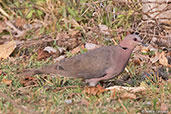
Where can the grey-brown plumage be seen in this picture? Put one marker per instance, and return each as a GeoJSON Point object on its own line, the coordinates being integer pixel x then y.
{"type": "Point", "coordinates": [98, 64]}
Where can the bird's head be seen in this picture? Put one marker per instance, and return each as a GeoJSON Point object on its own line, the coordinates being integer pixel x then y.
{"type": "Point", "coordinates": [131, 41]}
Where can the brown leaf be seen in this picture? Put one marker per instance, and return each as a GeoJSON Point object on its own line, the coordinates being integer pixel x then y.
{"type": "Point", "coordinates": [94, 90]}
{"type": "Point", "coordinates": [6, 49]}
{"type": "Point", "coordinates": [77, 49]}
{"type": "Point", "coordinates": [47, 52]}
{"type": "Point", "coordinates": [128, 96]}
{"type": "Point", "coordinates": [100, 89]}
{"type": "Point", "coordinates": [162, 59]}
{"type": "Point", "coordinates": [20, 22]}
{"type": "Point", "coordinates": [28, 80]}
{"type": "Point", "coordinates": [6, 81]}
{"type": "Point", "coordinates": [42, 54]}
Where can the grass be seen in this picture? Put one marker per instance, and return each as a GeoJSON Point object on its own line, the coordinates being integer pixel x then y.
{"type": "Point", "coordinates": [48, 94]}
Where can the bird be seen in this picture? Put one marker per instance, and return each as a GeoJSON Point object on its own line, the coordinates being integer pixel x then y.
{"type": "Point", "coordinates": [99, 64]}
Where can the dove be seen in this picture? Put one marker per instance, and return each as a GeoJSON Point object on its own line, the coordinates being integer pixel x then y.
{"type": "Point", "coordinates": [103, 63]}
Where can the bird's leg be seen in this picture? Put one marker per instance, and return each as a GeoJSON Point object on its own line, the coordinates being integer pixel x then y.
{"type": "Point", "coordinates": [91, 82]}
{"type": "Point", "coordinates": [94, 81]}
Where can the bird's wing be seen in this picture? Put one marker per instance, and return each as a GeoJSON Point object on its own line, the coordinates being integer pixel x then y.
{"type": "Point", "coordinates": [88, 65]}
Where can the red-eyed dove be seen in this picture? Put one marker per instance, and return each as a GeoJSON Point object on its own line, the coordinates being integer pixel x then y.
{"type": "Point", "coordinates": [102, 63]}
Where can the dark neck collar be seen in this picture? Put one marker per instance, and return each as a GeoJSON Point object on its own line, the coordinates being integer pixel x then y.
{"type": "Point", "coordinates": [124, 48]}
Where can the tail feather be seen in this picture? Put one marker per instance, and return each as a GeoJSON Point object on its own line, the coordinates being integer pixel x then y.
{"type": "Point", "coordinates": [30, 72]}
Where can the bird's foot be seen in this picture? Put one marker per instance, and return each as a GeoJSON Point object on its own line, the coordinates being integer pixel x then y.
{"type": "Point", "coordinates": [92, 82]}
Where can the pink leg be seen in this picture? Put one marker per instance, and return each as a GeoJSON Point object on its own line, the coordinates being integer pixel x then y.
{"type": "Point", "coordinates": [94, 81]}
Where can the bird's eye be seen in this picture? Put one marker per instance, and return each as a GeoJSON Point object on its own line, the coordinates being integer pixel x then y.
{"type": "Point", "coordinates": [135, 39]}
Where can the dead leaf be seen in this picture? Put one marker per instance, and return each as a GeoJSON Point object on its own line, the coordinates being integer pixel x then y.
{"type": "Point", "coordinates": [42, 54]}
{"type": "Point", "coordinates": [20, 22]}
{"type": "Point", "coordinates": [163, 59]}
{"type": "Point", "coordinates": [6, 49]}
{"type": "Point", "coordinates": [94, 90]}
{"type": "Point", "coordinates": [77, 49]}
{"type": "Point", "coordinates": [128, 96]}
{"type": "Point", "coordinates": [101, 89]}
{"type": "Point", "coordinates": [6, 81]}
{"type": "Point", "coordinates": [47, 52]}
{"type": "Point", "coordinates": [28, 80]}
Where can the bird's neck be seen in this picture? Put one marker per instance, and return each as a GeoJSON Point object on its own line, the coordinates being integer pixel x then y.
{"type": "Point", "coordinates": [126, 48]}
{"type": "Point", "coordinates": [126, 52]}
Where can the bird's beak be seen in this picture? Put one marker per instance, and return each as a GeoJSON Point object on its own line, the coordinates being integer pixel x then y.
{"type": "Point", "coordinates": [143, 44]}
{"type": "Point", "coordinates": [140, 42]}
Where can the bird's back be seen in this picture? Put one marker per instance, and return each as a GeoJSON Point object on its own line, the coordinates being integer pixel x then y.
{"type": "Point", "coordinates": [88, 65]}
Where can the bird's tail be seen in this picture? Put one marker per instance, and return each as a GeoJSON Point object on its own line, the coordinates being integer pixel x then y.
{"type": "Point", "coordinates": [30, 72]}
{"type": "Point", "coordinates": [50, 69]}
